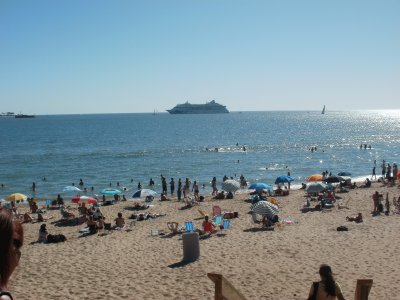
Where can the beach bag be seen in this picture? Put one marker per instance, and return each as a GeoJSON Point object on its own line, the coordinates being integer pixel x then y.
{"type": "Point", "coordinates": [342, 228]}
{"type": "Point", "coordinates": [314, 295]}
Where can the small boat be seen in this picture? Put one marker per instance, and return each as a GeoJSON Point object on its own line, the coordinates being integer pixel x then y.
{"type": "Point", "coordinates": [21, 116]}
{"type": "Point", "coordinates": [323, 110]}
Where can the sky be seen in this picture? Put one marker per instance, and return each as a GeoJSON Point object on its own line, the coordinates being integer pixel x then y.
{"type": "Point", "coordinates": [95, 56]}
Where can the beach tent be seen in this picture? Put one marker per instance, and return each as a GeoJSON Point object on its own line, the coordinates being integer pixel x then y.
{"type": "Point", "coordinates": [230, 185]}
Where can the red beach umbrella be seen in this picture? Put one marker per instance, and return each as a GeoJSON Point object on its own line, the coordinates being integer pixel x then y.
{"type": "Point", "coordinates": [84, 199]}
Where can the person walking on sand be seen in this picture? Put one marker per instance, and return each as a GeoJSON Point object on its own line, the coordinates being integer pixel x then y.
{"type": "Point", "coordinates": [373, 173]}
{"type": "Point", "coordinates": [172, 186]}
{"type": "Point", "coordinates": [327, 288]}
{"type": "Point", "coordinates": [179, 191]}
{"type": "Point", "coordinates": [164, 184]}
{"type": "Point", "coordinates": [214, 186]}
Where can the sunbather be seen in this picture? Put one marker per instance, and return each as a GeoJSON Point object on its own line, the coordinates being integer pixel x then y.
{"type": "Point", "coordinates": [27, 218]}
{"type": "Point", "coordinates": [43, 234]}
{"type": "Point", "coordinates": [164, 197]}
{"type": "Point", "coordinates": [357, 219]}
{"type": "Point", "coordinates": [91, 224]}
{"type": "Point", "coordinates": [269, 221]}
{"type": "Point", "coordinates": [208, 227]}
{"type": "Point", "coordinates": [220, 195]}
{"type": "Point", "coordinates": [119, 221]}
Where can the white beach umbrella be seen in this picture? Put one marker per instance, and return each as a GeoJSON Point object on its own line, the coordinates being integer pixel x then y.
{"type": "Point", "coordinates": [230, 185]}
{"type": "Point", "coordinates": [143, 193]}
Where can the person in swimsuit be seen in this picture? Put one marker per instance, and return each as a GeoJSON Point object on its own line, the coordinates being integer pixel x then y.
{"type": "Point", "coordinates": [327, 288]}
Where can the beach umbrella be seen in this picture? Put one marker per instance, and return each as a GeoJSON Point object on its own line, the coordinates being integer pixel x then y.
{"type": "Point", "coordinates": [143, 193]}
{"type": "Point", "coordinates": [230, 185]}
{"type": "Point", "coordinates": [265, 208]}
{"type": "Point", "coordinates": [344, 174]}
{"type": "Point", "coordinates": [316, 187]}
{"type": "Point", "coordinates": [17, 197]}
{"type": "Point", "coordinates": [315, 177]}
{"type": "Point", "coordinates": [344, 178]}
{"type": "Point", "coordinates": [84, 199]}
{"type": "Point", "coordinates": [333, 179]}
{"type": "Point", "coordinates": [71, 188]}
{"type": "Point", "coordinates": [110, 191]}
{"type": "Point", "coordinates": [259, 186]}
{"type": "Point", "coordinates": [283, 179]}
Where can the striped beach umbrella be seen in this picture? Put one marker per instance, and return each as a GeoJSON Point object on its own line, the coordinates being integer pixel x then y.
{"type": "Point", "coordinates": [265, 208]}
{"type": "Point", "coordinates": [230, 185]}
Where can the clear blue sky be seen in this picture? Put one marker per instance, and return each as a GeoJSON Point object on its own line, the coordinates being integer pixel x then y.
{"type": "Point", "coordinates": [98, 56]}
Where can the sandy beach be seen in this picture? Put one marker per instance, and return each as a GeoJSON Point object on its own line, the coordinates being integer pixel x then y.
{"type": "Point", "coordinates": [279, 264]}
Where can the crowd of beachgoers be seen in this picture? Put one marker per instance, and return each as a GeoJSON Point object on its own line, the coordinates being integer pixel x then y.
{"type": "Point", "coordinates": [135, 244]}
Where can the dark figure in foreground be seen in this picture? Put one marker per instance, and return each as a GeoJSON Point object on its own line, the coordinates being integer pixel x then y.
{"type": "Point", "coordinates": [11, 240]}
{"type": "Point", "coordinates": [327, 288]}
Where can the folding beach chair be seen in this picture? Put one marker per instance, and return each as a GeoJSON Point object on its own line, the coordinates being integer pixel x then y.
{"type": "Point", "coordinates": [189, 226]}
{"type": "Point", "coordinates": [216, 210]}
{"type": "Point", "coordinates": [227, 223]}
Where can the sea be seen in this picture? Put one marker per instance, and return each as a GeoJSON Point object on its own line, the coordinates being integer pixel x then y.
{"type": "Point", "coordinates": [121, 150]}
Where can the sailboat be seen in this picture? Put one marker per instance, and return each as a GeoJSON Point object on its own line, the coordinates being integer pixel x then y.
{"type": "Point", "coordinates": [323, 110]}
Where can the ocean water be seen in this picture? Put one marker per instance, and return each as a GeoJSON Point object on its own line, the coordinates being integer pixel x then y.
{"type": "Point", "coordinates": [104, 149]}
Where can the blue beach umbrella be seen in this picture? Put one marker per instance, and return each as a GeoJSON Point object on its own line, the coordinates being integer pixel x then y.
{"type": "Point", "coordinates": [283, 179]}
{"type": "Point", "coordinates": [258, 186]}
{"type": "Point", "coordinates": [144, 193]}
{"type": "Point", "coordinates": [110, 191]}
{"type": "Point", "coordinates": [344, 174]}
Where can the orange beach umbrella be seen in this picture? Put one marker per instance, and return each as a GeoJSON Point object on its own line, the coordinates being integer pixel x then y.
{"type": "Point", "coordinates": [315, 177]}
